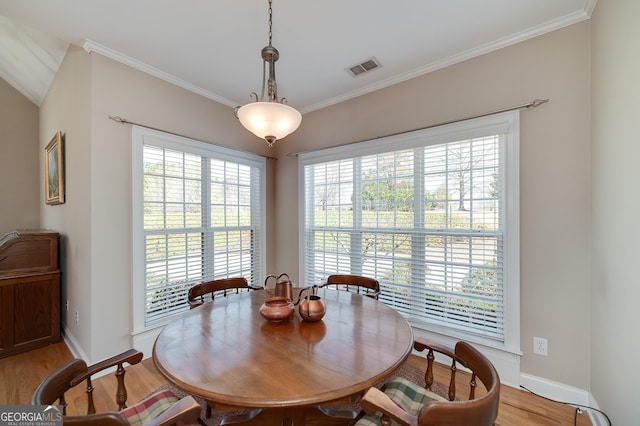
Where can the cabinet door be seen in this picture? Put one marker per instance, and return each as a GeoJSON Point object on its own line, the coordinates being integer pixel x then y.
{"type": "Point", "coordinates": [34, 311]}
{"type": "Point", "coordinates": [29, 313]}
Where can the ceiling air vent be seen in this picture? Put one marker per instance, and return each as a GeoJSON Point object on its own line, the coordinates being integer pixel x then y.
{"type": "Point", "coordinates": [366, 66]}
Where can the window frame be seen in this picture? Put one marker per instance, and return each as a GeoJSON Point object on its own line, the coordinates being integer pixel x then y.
{"type": "Point", "coordinates": [142, 136]}
{"type": "Point", "coordinates": [506, 123]}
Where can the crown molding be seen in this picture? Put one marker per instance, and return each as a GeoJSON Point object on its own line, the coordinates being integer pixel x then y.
{"type": "Point", "coordinates": [556, 24]}
{"type": "Point", "coordinates": [569, 19]}
{"type": "Point", "coordinates": [91, 46]}
{"type": "Point", "coordinates": [589, 6]}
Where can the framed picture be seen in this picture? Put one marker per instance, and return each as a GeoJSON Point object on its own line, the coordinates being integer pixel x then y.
{"type": "Point", "coordinates": [54, 171]}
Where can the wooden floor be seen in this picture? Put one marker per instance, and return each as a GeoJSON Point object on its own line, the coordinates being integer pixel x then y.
{"type": "Point", "coordinates": [20, 374]}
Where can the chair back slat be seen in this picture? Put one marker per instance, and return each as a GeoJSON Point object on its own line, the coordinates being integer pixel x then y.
{"type": "Point", "coordinates": [206, 291]}
{"type": "Point", "coordinates": [368, 286]}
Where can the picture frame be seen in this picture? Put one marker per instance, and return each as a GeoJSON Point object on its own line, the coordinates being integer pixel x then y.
{"type": "Point", "coordinates": [54, 170]}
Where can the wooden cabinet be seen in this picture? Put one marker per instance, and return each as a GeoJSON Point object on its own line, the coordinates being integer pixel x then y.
{"type": "Point", "coordinates": [29, 291]}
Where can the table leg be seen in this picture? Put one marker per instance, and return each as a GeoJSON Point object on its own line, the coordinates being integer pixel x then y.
{"type": "Point", "coordinates": [280, 416]}
{"type": "Point", "coordinates": [289, 416]}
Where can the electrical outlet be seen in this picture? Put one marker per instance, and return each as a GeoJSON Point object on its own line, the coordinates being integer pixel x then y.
{"type": "Point", "coordinates": [77, 318]}
{"type": "Point", "coordinates": [540, 346]}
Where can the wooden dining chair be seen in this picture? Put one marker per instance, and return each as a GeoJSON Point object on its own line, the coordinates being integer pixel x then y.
{"type": "Point", "coordinates": [406, 403]}
{"type": "Point", "coordinates": [160, 408]}
{"type": "Point", "coordinates": [203, 292]}
{"type": "Point", "coordinates": [365, 285]}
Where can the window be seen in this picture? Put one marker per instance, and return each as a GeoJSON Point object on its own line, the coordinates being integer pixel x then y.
{"type": "Point", "coordinates": [433, 215]}
{"type": "Point", "coordinates": [198, 215]}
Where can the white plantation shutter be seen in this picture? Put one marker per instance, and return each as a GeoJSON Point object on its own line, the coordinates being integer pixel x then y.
{"type": "Point", "coordinates": [426, 214]}
{"type": "Point", "coordinates": [201, 217]}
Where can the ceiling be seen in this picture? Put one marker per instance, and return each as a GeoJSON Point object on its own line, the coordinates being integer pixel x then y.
{"type": "Point", "coordinates": [212, 47]}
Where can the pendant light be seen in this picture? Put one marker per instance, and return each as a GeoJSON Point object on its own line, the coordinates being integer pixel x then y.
{"type": "Point", "coordinates": [269, 119]}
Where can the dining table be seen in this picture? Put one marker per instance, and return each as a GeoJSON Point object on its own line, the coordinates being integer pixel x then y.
{"type": "Point", "coordinates": [227, 353]}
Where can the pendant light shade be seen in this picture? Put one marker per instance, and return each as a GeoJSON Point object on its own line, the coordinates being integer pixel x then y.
{"type": "Point", "coordinates": [270, 120]}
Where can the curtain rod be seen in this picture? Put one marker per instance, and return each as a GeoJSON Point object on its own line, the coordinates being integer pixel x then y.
{"type": "Point", "coordinates": [125, 121]}
{"type": "Point", "coordinates": [533, 104]}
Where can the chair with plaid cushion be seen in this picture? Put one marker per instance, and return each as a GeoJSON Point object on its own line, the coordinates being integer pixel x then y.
{"type": "Point", "coordinates": [160, 408]}
{"type": "Point", "coordinates": [402, 402]}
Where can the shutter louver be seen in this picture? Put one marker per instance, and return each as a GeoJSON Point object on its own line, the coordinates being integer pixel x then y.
{"type": "Point", "coordinates": [427, 222]}
{"type": "Point", "coordinates": [202, 220]}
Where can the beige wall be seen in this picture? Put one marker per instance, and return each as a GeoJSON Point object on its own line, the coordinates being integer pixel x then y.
{"type": "Point", "coordinates": [20, 195]}
{"type": "Point", "coordinates": [554, 173]}
{"type": "Point", "coordinates": [66, 109]}
{"type": "Point", "coordinates": [615, 337]}
{"type": "Point", "coordinates": [96, 220]}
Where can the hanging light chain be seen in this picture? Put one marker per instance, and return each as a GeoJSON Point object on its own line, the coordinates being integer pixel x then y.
{"type": "Point", "coordinates": [270, 22]}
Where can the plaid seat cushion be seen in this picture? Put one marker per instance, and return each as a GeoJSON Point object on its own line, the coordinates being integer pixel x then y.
{"type": "Point", "coordinates": [150, 407]}
{"type": "Point", "coordinates": [405, 394]}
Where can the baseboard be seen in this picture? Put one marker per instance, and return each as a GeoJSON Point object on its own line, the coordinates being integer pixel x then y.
{"type": "Point", "coordinates": [596, 416]}
{"type": "Point", "coordinates": [73, 345]}
{"type": "Point", "coordinates": [563, 393]}
{"type": "Point", "coordinates": [77, 351]}
{"type": "Point", "coordinates": [554, 390]}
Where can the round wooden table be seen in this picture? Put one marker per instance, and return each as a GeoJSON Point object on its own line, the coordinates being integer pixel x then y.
{"type": "Point", "coordinates": [225, 352]}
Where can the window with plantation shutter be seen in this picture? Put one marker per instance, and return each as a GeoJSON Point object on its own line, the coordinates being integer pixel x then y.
{"type": "Point", "coordinates": [198, 216]}
{"type": "Point", "coordinates": [432, 215]}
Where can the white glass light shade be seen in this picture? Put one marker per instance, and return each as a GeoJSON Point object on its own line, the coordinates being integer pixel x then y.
{"type": "Point", "coordinates": [269, 120]}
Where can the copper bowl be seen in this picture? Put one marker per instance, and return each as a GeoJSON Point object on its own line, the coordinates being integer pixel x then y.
{"type": "Point", "coordinates": [277, 309]}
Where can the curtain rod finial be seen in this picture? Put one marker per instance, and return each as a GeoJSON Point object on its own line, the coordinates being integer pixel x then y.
{"type": "Point", "coordinates": [538, 102]}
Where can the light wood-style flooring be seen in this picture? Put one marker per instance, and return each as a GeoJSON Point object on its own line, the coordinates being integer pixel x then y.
{"type": "Point", "coordinates": [20, 374]}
